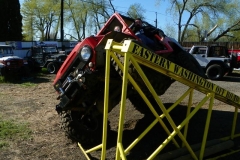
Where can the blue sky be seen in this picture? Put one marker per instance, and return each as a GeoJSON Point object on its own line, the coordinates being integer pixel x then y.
{"type": "Point", "coordinates": [150, 10]}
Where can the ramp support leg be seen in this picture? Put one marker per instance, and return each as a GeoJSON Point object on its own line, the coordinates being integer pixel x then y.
{"type": "Point", "coordinates": [206, 127]}
{"type": "Point", "coordinates": [188, 112]}
{"type": "Point", "coordinates": [234, 122]}
{"type": "Point", "coordinates": [122, 108]}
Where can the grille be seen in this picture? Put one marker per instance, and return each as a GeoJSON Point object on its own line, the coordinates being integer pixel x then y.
{"type": "Point", "coordinates": [14, 64]}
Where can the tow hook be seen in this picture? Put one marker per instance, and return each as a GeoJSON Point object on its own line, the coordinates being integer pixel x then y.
{"type": "Point", "coordinates": [58, 109]}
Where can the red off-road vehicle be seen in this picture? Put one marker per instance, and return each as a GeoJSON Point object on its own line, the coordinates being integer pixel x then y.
{"type": "Point", "coordinates": [80, 80]}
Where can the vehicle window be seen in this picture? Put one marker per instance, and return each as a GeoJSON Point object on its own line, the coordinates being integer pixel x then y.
{"type": "Point", "coordinates": [198, 50]}
{"type": "Point", "coordinates": [49, 49]}
{"type": "Point", "coordinates": [36, 52]}
{"type": "Point", "coordinates": [223, 52]}
{"type": "Point", "coordinates": [6, 50]}
{"type": "Point", "coordinates": [218, 51]}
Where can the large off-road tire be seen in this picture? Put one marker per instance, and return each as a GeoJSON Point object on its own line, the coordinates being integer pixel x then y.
{"type": "Point", "coordinates": [214, 72]}
{"type": "Point", "coordinates": [160, 82]}
{"type": "Point", "coordinates": [153, 76]}
{"type": "Point", "coordinates": [85, 130]}
{"type": "Point", "coordinates": [52, 68]}
{"type": "Point", "coordinates": [188, 62]}
{"type": "Point", "coordinates": [84, 123]}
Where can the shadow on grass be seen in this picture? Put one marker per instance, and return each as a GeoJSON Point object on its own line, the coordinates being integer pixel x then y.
{"type": "Point", "coordinates": [35, 77]}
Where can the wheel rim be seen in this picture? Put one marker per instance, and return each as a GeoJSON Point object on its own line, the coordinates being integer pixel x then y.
{"type": "Point", "coordinates": [51, 68]}
{"type": "Point", "coordinates": [214, 73]}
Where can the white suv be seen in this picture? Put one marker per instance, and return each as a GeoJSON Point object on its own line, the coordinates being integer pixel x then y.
{"type": "Point", "coordinates": [215, 60]}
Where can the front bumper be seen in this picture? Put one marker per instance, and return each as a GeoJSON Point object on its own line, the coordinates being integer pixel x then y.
{"type": "Point", "coordinates": [68, 90]}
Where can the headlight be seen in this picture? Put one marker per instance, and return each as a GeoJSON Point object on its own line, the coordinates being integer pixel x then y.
{"type": "Point", "coordinates": [8, 63]}
{"type": "Point", "coordinates": [85, 53]}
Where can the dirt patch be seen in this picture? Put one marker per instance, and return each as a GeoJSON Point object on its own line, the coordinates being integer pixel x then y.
{"type": "Point", "coordinates": [36, 105]}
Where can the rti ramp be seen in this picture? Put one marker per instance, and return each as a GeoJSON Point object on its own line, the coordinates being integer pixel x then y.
{"type": "Point", "coordinates": [139, 55]}
{"type": "Point", "coordinates": [154, 61]}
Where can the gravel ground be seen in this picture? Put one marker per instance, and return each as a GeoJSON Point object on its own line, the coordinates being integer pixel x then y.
{"type": "Point", "coordinates": [36, 105]}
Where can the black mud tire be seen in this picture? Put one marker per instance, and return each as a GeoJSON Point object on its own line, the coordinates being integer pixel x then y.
{"type": "Point", "coordinates": [159, 82]}
{"type": "Point", "coordinates": [153, 76]}
{"type": "Point", "coordinates": [188, 62]}
{"type": "Point", "coordinates": [214, 72]}
{"type": "Point", "coordinates": [77, 132]}
{"type": "Point", "coordinates": [52, 68]}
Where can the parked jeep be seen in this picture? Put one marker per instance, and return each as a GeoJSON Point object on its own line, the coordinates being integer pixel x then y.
{"type": "Point", "coordinates": [46, 55]}
{"type": "Point", "coordinates": [55, 61]}
{"type": "Point", "coordinates": [215, 60]}
{"type": "Point", "coordinates": [11, 64]}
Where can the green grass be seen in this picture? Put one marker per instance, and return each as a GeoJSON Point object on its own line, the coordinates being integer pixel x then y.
{"type": "Point", "coordinates": [44, 70]}
{"type": "Point", "coordinates": [3, 144]}
{"type": "Point", "coordinates": [2, 79]}
{"type": "Point", "coordinates": [28, 84]}
{"type": "Point", "coordinates": [10, 130]}
{"type": "Point", "coordinates": [18, 79]}
{"type": "Point", "coordinates": [24, 84]}
{"type": "Point", "coordinates": [9, 79]}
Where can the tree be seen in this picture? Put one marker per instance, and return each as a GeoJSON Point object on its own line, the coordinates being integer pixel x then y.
{"type": "Point", "coordinates": [86, 17]}
{"type": "Point", "coordinates": [194, 8]}
{"type": "Point", "coordinates": [76, 14]}
{"type": "Point", "coordinates": [136, 11]}
{"type": "Point", "coordinates": [226, 27]}
{"type": "Point", "coordinates": [169, 30]}
{"type": "Point", "coordinates": [207, 11]}
{"type": "Point", "coordinates": [100, 13]}
{"type": "Point", "coordinates": [41, 18]}
{"type": "Point", "coordinates": [10, 21]}
{"type": "Point", "coordinates": [231, 28]}
{"type": "Point", "coordinates": [81, 18]}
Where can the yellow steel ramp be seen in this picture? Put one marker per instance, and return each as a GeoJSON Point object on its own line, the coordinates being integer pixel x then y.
{"type": "Point", "coordinates": [137, 54]}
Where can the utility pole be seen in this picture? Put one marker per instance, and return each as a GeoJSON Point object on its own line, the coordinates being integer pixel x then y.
{"type": "Point", "coordinates": [32, 28]}
{"type": "Point", "coordinates": [156, 20]}
{"type": "Point", "coordinates": [62, 31]}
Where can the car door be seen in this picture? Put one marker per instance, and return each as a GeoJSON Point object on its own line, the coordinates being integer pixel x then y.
{"type": "Point", "coordinates": [200, 54]}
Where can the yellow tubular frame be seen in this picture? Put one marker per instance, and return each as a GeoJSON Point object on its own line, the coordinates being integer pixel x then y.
{"type": "Point", "coordinates": [138, 55]}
